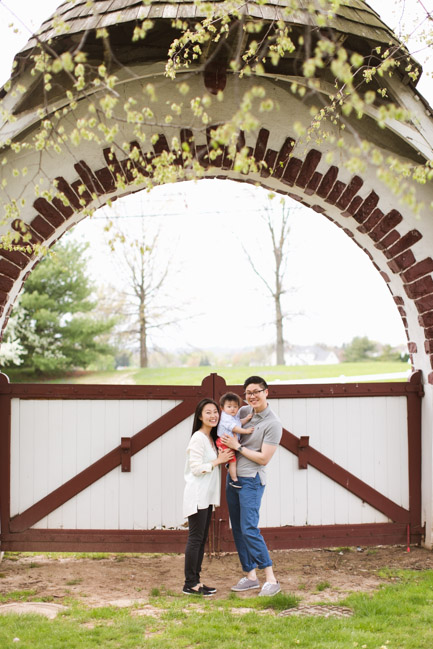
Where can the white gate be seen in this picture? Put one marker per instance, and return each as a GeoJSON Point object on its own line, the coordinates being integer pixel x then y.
{"type": "Point", "coordinates": [102, 466]}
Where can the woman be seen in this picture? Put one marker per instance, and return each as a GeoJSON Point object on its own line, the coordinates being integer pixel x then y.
{"type": "Point", "coordinates": [202, 491]}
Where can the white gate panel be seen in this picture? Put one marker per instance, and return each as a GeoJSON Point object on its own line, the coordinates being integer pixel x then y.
{"type": "Point", "coordinates": [68, 459]}
{"type": "Point", "coordinates": [135, 500]}
{"type": "Point", "coordinates": [367, 437]}
{"type": "Point", "coordinates": [55, 445]}
{"type": "Point", "coordinates": [54, 440]}
{"type": "Point", "coordinates": [306, 497]}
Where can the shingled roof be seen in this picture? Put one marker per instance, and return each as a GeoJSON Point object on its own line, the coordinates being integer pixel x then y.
{"type": "Point", "coordinates": [75, 25]}
{"type": "Point", "coordinates": [353, 16]}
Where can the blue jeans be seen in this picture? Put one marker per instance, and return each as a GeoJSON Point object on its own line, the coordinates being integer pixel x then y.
{"type": "Point", "coordinates": [244, 508]}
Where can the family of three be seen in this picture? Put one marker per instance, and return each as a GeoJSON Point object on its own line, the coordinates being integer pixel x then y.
{"type": "Point", "coordinates": [245, 483]}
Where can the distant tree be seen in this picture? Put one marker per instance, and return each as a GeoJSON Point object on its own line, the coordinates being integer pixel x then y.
{"type": "Point", "coordinates": [109, 301]}
{"type": "Point", "coordinates": [259, 355]}
{"type": "Point", "coordinates": [11, 350]}
{"type": "Point", "coordinates": [277, 221]}
{"type": "Point", "coordinates": [53, 321]}
{"type": "Point", "coordinates": [123, 359]}
{"type": "Point", "coordinates": [145, 305]}
{"type": "Point", "coordinates": [361, 348]}
{"type": "Point", "coordinates": [389, 353]}
{"type": "Point", "coordinates": [194, 358]}
{"type": "Point", "coordinates": [165, 358]}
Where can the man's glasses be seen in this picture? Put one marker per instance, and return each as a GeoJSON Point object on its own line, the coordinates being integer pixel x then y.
{"type": "Point", "coordinates": [254, 393]}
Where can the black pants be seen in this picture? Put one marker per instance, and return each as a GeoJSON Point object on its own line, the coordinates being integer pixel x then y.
{"type": "Point", "coordinates": [197, 536]}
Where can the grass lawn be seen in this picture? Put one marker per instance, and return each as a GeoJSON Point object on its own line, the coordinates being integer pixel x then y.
{"type": "Point", "coordinates": [232, 375]}
{"type": "Point", "coordinates": [237, 375]}
{"type": "Point", "coordinates": [398, 616]}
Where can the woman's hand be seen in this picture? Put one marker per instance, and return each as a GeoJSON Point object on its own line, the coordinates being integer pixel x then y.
{"type": "Point", "coordinates": [224, 456]}
{"type": "Point", "coordinates": [231, 442]}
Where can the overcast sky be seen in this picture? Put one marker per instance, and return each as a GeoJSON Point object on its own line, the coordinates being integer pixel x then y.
{"type": "Point", "coordinates": [337, 295]}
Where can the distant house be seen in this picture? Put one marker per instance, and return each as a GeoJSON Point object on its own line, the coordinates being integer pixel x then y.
{"type": "Point", "coordinates": [310, 355]}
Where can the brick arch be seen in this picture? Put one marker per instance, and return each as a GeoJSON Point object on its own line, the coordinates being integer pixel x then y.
{"type": "Point", "coordinates": [296, 177]}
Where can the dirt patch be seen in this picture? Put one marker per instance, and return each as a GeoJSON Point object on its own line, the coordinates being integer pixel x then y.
{"type": "Point", "coordinates": [121, 580]}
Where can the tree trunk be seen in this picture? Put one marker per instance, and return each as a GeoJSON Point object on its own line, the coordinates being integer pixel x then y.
{"type": "Point", "coordinates": [279, 331]}
{"type": "Point", "coordinates": [279, 233]}
{"type": "Point", "coordinates": [144, 361]}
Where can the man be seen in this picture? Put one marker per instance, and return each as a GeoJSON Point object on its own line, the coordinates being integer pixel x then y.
{"type": "Point", "coordinates": [253, 454]}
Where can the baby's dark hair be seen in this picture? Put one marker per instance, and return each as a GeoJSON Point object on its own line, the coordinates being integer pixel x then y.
{"type": "Point", "coordinates": [230, 396]}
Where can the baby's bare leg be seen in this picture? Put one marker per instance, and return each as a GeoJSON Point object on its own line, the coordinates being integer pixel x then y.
{"type": "Point", "coordinates": [232, 471]}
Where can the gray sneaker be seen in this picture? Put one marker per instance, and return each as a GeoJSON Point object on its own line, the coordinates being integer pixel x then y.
{"type": "Point", "coordinates": [246, 584]}
{"type": "Point", "coordinates": [269, 589]}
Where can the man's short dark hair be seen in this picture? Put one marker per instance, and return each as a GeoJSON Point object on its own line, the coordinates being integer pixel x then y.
{"type": "Point", "coordinates": [230, 396]}
{"type": "Point", "coordinates": [257, 380]}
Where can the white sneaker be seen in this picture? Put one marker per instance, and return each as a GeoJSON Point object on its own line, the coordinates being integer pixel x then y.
{"type": "Point", "coordinates": [269, 590]}
{"type": "Point", "coordinates": [246, 584]}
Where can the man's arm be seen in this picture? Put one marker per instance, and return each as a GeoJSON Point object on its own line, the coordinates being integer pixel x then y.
{"type": "Point", "coordinates": [262, 457]}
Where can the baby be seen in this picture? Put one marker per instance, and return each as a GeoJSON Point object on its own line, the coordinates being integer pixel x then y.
{"type": "Point", "coordinates": [230, 424]}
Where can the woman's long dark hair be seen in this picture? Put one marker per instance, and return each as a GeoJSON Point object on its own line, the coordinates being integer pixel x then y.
{"type": "Point", "coordinates": [196, 424]}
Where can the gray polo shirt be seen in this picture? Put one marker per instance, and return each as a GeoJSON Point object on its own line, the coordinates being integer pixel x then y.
{"type": "Point", "coordinates": [267, 430]}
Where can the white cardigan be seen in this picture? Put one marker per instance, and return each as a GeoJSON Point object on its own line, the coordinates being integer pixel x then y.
{"type": "Point", "coordinates": [203, 482]}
